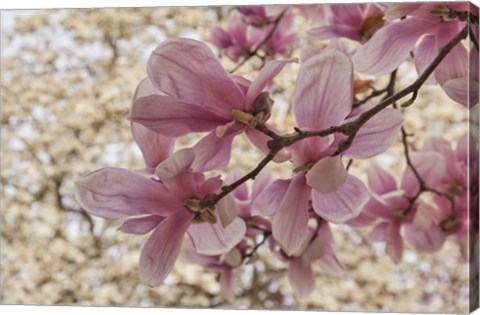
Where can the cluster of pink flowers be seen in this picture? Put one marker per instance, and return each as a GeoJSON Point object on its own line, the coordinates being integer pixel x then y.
{"type": "Point", "coordinates": [187, 90]}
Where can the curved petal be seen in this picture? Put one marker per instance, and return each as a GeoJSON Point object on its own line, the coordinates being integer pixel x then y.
{"type": "Point", "coordinates": [462, 90]}
{"type": "Point", "coordinates": [220, 37]}
{"type": "Point", "coordinates": [140, 226]}
{"type": "Point", "coordinates": [262, 181]}
{"type": "Point", "coordinates": [114, 193]}
{"type": "Point", "coordinates": [395, 243]}
{"type": "Point", "coordinates": [376, 135]}
{"type": "Point", "coordinates": [330, 263]}
{"type": "Point", "coordinates": [213, 152]}
{"type": "Point", "coordinates": [335, 31]}
{"type": "Point", "coordinates": [161, 250]}
{"type": "Point", "coordinates": [290, 223]}
{"type": "Point", "coordinates": [227, 210]}
{"type": "Point", "coordinates": [348, 14]}
{"type": "Point", "coordinates": [301, 277]}
{"type": "Point", "coordinates": [188, 70]}
{"type": "Point", "coordinates": [327, 175]}
{"type": "Point", "coordinates": [241, 192]}
{"type": "Point", "coordinates": [455, 64]}
{"type": "Point", "coordinates": [342, 204]}
{"type": "Point", "coordinates": [260, 140]}
{"type": "Point", "coordinates": [144, 88]}
{"type": "Point", "coordinates": [269, 200]}
{"type": "Point", "coordinates": [390, 46]}
{"type": "Point", "coordinates": [214, 239]}
{"type": "Point", "coordinates": [172, 117]}
{"type": "Point", "coordinates": [155, 147]}
{"type": "Point", "coordinates": [226, 284]}
{"type": "Point", "coordinates": [430, 166]}
{"type": "Point", "coordinates": [264, 78]}
{"type": "Point", "coordinates": [379, 180]}
{"type": "Point", "coordinates": [324, 91]}
{"type": "Point", "coordinates": [424, 56]}
{"type": "Point", "coordinates": [379, 233]}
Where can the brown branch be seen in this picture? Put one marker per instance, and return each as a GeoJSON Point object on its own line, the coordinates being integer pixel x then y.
{"type": "Point", "coordinates": [254, 52]}
{"type": "Point", "coordinates": [350, 129]}
{"type": "Point", "coordinates": [266, 234]}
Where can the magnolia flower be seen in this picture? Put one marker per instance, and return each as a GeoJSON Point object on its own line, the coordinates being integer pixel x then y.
{"type": "Point", "coordinates": [259, 15]}
{"type": "Point", "coordinates": [354, 21]}
{"type": "Point", "coordinates": [323, 98]}
{"type": "Point", "coordinates": [166, 205]}
{"type": "Point", "coordinates": [316, 249]}
{"type": "Point", "coordinates": [391, 204]}
{"type": "Point", "coordinates": [195, 94]}
{"type": "Point", "coordinates": [391, 45]}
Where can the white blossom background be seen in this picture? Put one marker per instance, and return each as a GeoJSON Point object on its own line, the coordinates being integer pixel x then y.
{"type": "Point", "coordinates": [67, 78]}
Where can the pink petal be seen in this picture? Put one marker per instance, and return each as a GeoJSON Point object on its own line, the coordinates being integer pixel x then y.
{"type": "Point", "coordinates": [395, 243]}
{"type": "Point", "coordinates": [343, 204]}
{"type": "Point", "coordinates": [311, 149]}
{"type": "Point", "coordinates": [114, 193]}
{"type": "Point", "coordinates": [264, 78]}
{"type": "Point", "coordinates": [241, 192]}
{"type": "Point", "coordinates": [161, 250]}
{"type": "Point", "coordinates": [323, 93]}
{"type": "Point", "coordinates": [430, 166]}
{"type": "Point", "coordinates": [290, 223]}
{"type": "Point", "coordinates": [327, 175]}
{"type": "Point", "coordinates": [362, 220]}
{"type": "Point", "coordinates": [335, 31]}
{"type": "Point", "coordinates": [455, 65]}
{"type": "Point", "coordinates": [213, 152]}
{"type": "Point", "coordinates": [208, 187]}
{"type": "Point", "coordinates": [261, 182]}
{"type": "Point", "coordinates": [462, 90]}
{"type": "Point", "coordinates": [399, 10]}
{"type": "Point", "coordinates": [260, 140]}
{"type": "Point", "coordinates": [140, 226]}
{"type": "Point", "coordinates": [269, 200]}
{"type": "Point", "coordinates": [189, 255]}
{"type": "Point", "coordinates": [348, 14]}
{"type": "Point", "coordinates": [376, 135]}
{"type": "Point", "coordinates": [220, 37]}
{"type": "Point", "coordinates": [330, 263]}
{"type": "Point", "coordinates": [172, 117]}
{"type": "Point", "coordinates": [301, 277]}
{"type": "Point", "coordinates": [378, 207]}
{"type": "Point", "coordinates": [155, 147]}
{"type": "Point", "coordinates": [429, 240]}
{"type": "Point", "coordinates": [390, 46]}
{"type": "Point", "coordinates": [188, 70]}
{"type": "Point", "coordinates": [214, 239]}
{"type": "Point", "coordinates": [227, 210]}
{"type": "Point", "coordinates": [379, 180]}
{"type": "Point", "coordinates": [144, 88]}
{"type": "Point", "coordinates": [226, 284]}
{"type": "Point", "coordinates": [424, 56]}
{"type": "Point", "coordinates": [379, 232]}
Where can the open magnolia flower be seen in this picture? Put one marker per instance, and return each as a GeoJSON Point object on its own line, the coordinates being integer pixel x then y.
{"type": "Point", "coordinates": [165, 205]}
{"type": "Point", "coordinates": [194, 93]}
{"type": "Point", "coordinates": [323, 98]}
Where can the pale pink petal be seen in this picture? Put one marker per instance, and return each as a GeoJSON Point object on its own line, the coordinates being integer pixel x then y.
{"type": "Point", "coordinates": [461, 90]}
{"type": "Point", "coordinates": [428, 240]}
{"type": "Point", "coordinates": [208, 187]}
{"type": "Point", "coordinates": [311, 149]}
{"type": "Point", "coordinates": [140, 226]}
{"type": "Point", "coordinates": [188, 70]}
{"type": "Point", "coordinates": [424, 56]}
{"type": "Point", "coordinates": [263, 79]}
{"type": "Point", "coordinates": [379, 232]}
{"type": "Point", "coordinates": [399, 10]}
{"type": "Point", "coordinates": [301, 277]}
{"type": "Point", "coordinates": [160, 252]}
{"type": "Point", "coordinates": [220, 37]}
{"type": "Point", "coordinates": [335, 31]}
{"type": "Point", "coordinates": [327, 175]}
{"type": "Point", "coordinates": [114, 193]}
{"type": "Point", "coordinates": [261, 182]}
{"type": "Point", "coordinates": [214, 239]}
{"type": "Point", "coordinates": [362, 220]}
{"type": "Point", "coordinates": [430, 166]}
{"type": "Point", "coordinates": [227, 285]}
{"type": "Point", "coordinates": [455, 64]}
{"type": "Point", "coordinates": [323, 93]}
{"type": "Point", "coordinates": [349, 14]}
{"type": "Point", "coordinates": [423, 216]}
{"type": "Point", "coordinates": [155, 147]}
{"type": "Point", "coordinates": [260, 140]}
{"type": "Point", "coordinates": [379, 180]}
{"type": "Point", "coordinates": [172, 117]}
{"type": "Point", "coordinates": [189, 255]}
{"type": "Point", "coordinates": [377, 207]}
{"type": "Point", "coordinates": [376, 135]}
{"type": "Point", "coordinates": [390, 46]}
{"type": "Point", "coordinates": [241, 192]}
{"type": "Point", "coordinates": [213, 152]}
{"type": "Point", "coordinates": [395, 243]}
{"type": "Point", "coordinates": [144, 88]}
{"type": "Point", "coordinates": [269, 200]}
{"type": "Point", "coordinates": [343, 204]}
{"type": "Point", "coordinates": [330, 263]}
{"type": "Point", "coordinates": [290, 223]}
{"type": "Point", "coordinates": [227, 210]}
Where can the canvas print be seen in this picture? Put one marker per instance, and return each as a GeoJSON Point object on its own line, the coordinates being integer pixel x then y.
{"type": "Point", "coordinates": [272, 157]}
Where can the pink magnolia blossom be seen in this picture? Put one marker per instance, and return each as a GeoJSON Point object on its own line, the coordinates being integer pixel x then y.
{"type": "Point", "coordinates": [316, 249]}
{"type": "Point", "coordinates": [390, 204]}
{"type": "Point", "coordinates": [260, 16]}
{"type": "Point", "coordinates": [162, 205]}
{"type": "Point", "coordinates": [354, 21]}
{"type": "Point", "coordinates": [196, 94]}
{"type": "Point", "coordinates": [391, 45]}
{"type": "Point", "coordinates": [323, 98]}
